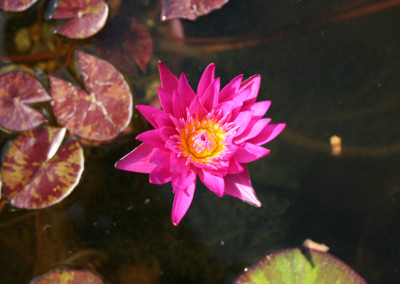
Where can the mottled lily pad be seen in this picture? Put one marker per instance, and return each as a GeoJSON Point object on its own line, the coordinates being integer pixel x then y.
{"type": "Point", "coordinates": [17, 91]}
{"type": "Point", "coordinates": [300, 266]}
{"type": "Point", "coordinates": [68, 277]}
{"type": "Point", "coordinates": [16, 5]}
{"type": "Point", "coordinates": [188, 9]}
{"type": "Point", "coordinates": [103, 112]}
{"type": "Point", "coordinates": [37, 172]}
{"type": "Point", "coordinates": [131, 44]}
{"type": "Point", "coordinates": [87, 17]}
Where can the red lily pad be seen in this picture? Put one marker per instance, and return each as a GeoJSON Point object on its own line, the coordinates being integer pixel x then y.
{"type": "Point", "coordinates": [131, 44]}
{"type": "Point", "coordinates": [17, 90]}
{"type": "Point", "coordinates": [37, 172]}
{"type": "Point", "coordinates": [104, 112]}
{"type": "Point", "coordinates": [87, 17]}
{"type": "Point", "coordinates": [188, 9]}
{"type": "Point", "coordinates": [16, 5]}
{"type": "Point", "coordinates": [68, 277]}
{"type": "Point", "coordinates": [300, 266]}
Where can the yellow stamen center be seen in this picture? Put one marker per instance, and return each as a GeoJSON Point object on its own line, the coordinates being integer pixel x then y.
{"type": "Point", "coordinates": [202, 140]}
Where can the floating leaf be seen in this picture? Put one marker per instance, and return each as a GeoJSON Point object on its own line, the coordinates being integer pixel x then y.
{"type": "Point", "coordinates": [37, 172]}
{"type": "Point", "coordinates": [18, 89]}
{"type": "Point", "coordinates": [188, 9]}
{"type": "Point", "coordinates": [102, 114]}
{"type": "Point", "coordinates": [131, 44]}
{"type": "Point", "coordinates": [297, 266]}
{"type": "Point", "coordinates": [16, 5]}
{"type": "Point", "coordinates": [87, 17]}
{"type": "Point", "coordinates": [68, 277]}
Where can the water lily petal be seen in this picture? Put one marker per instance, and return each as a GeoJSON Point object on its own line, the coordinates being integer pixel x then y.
{"type": "Point", "coordinates": [242, 120]}
{"type": "Point", "coordinates": [206, 79]}
{"type": "Point", "coordinates": [234, 167]}
{"type": "Point", "coordinates": [259, 108]}
{"type": "Point", "coordinates": [248, 152]}
{"type": "Point", "coordinates": [160, 175]}
{"type": "Point", "coordinates": [215, 183]}
{"type": "Point", "coordinates": [230, 89]}
{"type": "Point", "coordinates": [168, 80]}
{"type": "Point", "coordinates": [254, 127]}
{"type": "Point", "coordinates": [165, 100]}
{"type": "Point", "coordinates": [197, 108]}
{"type": "Point", "coordinates": [268, 133]}
{"type": "Point", "coordinates": [161, 157]}
{"type": "Point", "coordinates": [150, 113]}
{"type": "Point", "coordinates": [166, 132]}
{"type": "Point", "coordinates": [138, 160]}
{"type": "Point", "coordinates": [182, 201]}
{"type": "Point", "coordinates": [254, 84]}
{"type": "Point", "coordinates": [151, 138]}
{"type": "Point", "coordinates": [210, 97]}
{"type": "Point", "coordinates": [183, 97]}
{"type": "Point", "coordinates": [239, 186]}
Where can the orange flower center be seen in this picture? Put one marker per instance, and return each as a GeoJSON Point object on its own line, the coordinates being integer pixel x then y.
{"type": "Point", "coordinates": [202, 140]}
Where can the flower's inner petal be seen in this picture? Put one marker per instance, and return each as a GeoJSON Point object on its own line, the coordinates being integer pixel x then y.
{"type": "Point", "coordinates": [165, 100]}
{"type": "Point", "coordinates": [206, 79]}
{"type": "Point", "coordinates": [210, 97]}
{"type": "Point", "coordinates": [168, 80]}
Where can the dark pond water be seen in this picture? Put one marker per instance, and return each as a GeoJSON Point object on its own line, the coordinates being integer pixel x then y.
{"type": "Point", "coordinates": [329, 68]}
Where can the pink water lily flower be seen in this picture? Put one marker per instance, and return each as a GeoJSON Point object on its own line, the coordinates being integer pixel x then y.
{"type": "Point", "coordinates": [210, 133]}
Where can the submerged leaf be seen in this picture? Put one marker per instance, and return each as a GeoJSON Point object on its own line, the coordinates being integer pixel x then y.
{"type": "Point", "coordinates": [16, 5]}
{"type": "Point", "coordinates": [132, 44]}
{"type": "Point", "coordinates": [104, 112]}
{"type": "Point", "coordinates": [68, 277]}
{"type": "Point", "coordinates": [188, 9]}
{"type": "Point", "coordinates": [297, 266]}
{"type": "Point", "coordinates": [17, 90]}
{"type": "Point", "coordinates": [86, 17]}
{"type": "Point", "coordinates": [37, 172]}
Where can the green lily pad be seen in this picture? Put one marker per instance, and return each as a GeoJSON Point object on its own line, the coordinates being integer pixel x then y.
{"type": "Point", "coordinates": [103, 111]}
{"type": "Point", "coordinates": [305, 266]}
{"type": "Point", "coordinates": [37, 172]}
{"type": "Point", "coordinates": [68, 277]}
{"type": "Point", "coordinates": [17, 91]}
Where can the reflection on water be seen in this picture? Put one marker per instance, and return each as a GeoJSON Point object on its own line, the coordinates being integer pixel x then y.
{"type": "Point", "coordinates": [330, 78]}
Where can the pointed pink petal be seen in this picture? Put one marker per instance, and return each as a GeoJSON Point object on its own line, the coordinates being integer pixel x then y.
{"type": "Point", "coordinates": [182, 98]}
{"type": "Point", "coordinates": [209, 99]}
{"type": "Point", "coordinates": [234, 167]}
{"type": "Point", "coordinates": [268, 133]}
{"type": "Point", "coordinates": [161, 157]}
{"type": "Point", "coordinates": [168, 80]}
{"type": "Point", "coordinates": [166, 132]}
{"type": "Point", "coordinates": [164, 120]}
{"type": "Point", "coordinates": [178, 164]}
{"type": "Point", "coordinates": [242, 120]}
{"type": "Point", "coordinates": [239, 186]}
{"type": "Point", "coordinates": [182, 201]}
{"type": "Point", "coordinates": [151, 138]}
{"type": "Point", "coordinates": [150, 113]}
{"type": "Point", "coordinates": [206, 79]}
{"type": "Point", "coordinates": [229, 89]}
{"type": "Point", "coordinates": [181, 180]}
{"type": "Point", "coordinates": [259, 108]}
{"type": "Point", "coordinates": [215, 183]}
{"type": "Point", "coordinates": [197, 108]}
{"type": "Point", "coordinates": [160, 175]}
{"type": "Point", "coordinates": [254, 84]}
{"type": "Point", "coordinates": [248, 152]}
{"type": "Point", "coordinates": [138, 160]}
{"type": "Point", "coordinates": [252, 130]}
{"type": "Point", "coordinates": [165, 100]}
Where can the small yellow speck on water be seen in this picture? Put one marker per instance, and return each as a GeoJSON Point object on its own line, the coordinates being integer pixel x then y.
{"type": "Point", "coordinates": [336, 145]}
{"type": "Point", "coordinates": [310, 244]}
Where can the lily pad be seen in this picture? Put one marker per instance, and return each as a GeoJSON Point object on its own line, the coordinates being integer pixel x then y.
{"type": "Point", "coordinates": [103, 112]}
{"type": "Point", "coordinates": [68, 277]}
{"type": "Point", "coordinates": [300, 266]}
{"type": "Point", "coordinates": [131, 44]}
{"type": "Point", "coordinates": [87, 17]}
{"type": "Point", "coordinates": [16, 5]}
{"type": "Point", "coordinates": [188, 9]}
{"type": "Point", "coordinates": [17, 91]}
{"type": "Point", "coordinates": [37, 172]}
